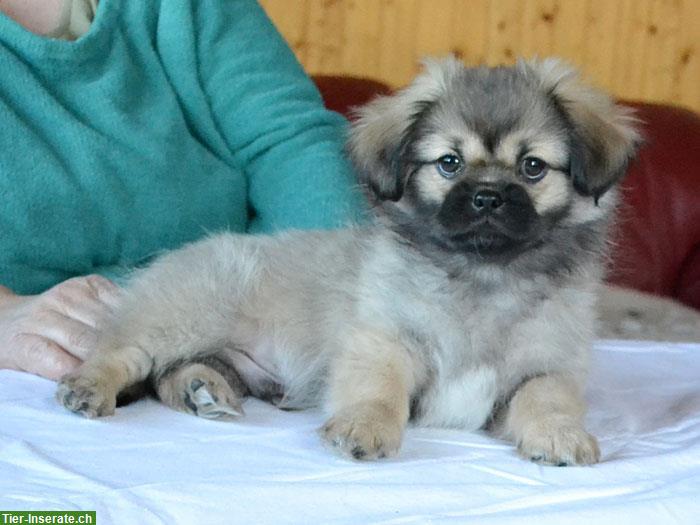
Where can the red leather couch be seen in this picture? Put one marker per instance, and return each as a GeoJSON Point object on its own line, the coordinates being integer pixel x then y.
{"type": "Point", "coordinates": [657, 241]}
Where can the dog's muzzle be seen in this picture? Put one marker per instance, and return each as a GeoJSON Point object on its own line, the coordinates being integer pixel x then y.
{"type": "Point", "coordinates": [488, 218]}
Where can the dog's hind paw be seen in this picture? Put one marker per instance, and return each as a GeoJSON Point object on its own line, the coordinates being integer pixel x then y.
{"type": "Point", "coordinates": [211, 401]}
{"type": "Point", "coordinates": [85, 396]}
{"type": "Point", "coordinates": [200, 390]}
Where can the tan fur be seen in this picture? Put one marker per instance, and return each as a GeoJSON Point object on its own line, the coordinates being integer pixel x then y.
{"type": "Point", "coordinates": [545, 419]}
{"type": "Point", "coordinates": [102, 377]}
{"type": "Point", "coordinates": [369, 395]}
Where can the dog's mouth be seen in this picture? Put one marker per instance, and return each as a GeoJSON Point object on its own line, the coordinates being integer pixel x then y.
{"type": "Point", "coordinates": [482, 242]}
{"type": "Point", "coordinates": [488, 236]}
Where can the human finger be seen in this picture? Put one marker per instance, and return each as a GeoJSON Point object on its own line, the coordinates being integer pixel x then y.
{"type": "Point", "coordinates": [86, 299]}
{"type": "Point", "coordinates": [41, 356]}
{"type": "Point", "coordinates": [103, 289]}
{"type": "Point", "coordinates": [73, 335]}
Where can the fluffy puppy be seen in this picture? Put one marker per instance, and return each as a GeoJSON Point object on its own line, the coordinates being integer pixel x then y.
{"type": "Point", "coordinates": [467, 303]}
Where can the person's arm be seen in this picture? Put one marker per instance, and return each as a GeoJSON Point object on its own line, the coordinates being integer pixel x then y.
{"type": "Point", "coordinates": [273, 120]}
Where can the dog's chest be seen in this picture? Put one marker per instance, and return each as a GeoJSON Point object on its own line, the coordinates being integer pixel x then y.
{"type": "Point", "coordinates": [463, 401]}
{"type": "Point", "coordinates": [465, 346]}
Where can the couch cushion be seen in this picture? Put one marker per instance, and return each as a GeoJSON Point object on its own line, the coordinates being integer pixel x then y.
{"type": "Point", "coordinates": [657, 239]}
{"type": "Point", "coordinates": [341, 94]}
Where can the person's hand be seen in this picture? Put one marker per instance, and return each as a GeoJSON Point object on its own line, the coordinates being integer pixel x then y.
{"type": "Point", "coordinates": [51, 333]}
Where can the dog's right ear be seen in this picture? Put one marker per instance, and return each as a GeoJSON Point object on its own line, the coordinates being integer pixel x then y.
{"type": "Point", "coordinates": [383, 130]}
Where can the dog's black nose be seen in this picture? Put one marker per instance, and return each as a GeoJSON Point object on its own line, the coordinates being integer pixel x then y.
{"type": "Point", "coordinates": [487, 200]}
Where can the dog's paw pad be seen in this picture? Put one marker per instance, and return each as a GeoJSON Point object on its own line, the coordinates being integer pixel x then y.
{"type": "Point", "coordinates": [196, 384]}
{"type": "Point", "coordinates": [358, 452]}
{"type": "Point", "coordinates": [205, 393]}
{"type": "Point", "coordinates": [211, 401]}
{"type": "Point", "coordinates": [85, 396]}
{"type": "Point", "coordinates": [202, 391]}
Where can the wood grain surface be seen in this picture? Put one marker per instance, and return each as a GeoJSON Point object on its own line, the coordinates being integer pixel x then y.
{"type": "Point", "coordinates": [636, 49]}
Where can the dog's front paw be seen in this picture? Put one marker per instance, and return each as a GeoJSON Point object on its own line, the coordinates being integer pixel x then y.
{"type": "Point", "coordinates": [559, 443]}
{"type": "Point", "coordinates": [86, 396]}
{"type": "Point", "coordinates": [364, 432]}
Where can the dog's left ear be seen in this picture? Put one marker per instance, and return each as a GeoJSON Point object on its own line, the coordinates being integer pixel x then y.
{"type": "Point", "coordinates": [383, 130]}
{"type": "Point", "coordinates": [604, 135]}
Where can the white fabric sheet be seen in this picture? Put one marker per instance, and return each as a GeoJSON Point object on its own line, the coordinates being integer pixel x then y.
{"type": "Point", "coordinates": [148, 464]}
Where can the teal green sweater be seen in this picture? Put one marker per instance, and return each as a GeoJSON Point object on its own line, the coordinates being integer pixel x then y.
{"type": "Point", "coordinates": [168, 120]}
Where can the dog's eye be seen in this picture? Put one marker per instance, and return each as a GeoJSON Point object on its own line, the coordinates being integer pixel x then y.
{"type": "Point", "coordinates": [533, 168]}
{"type": "Point", "coordinates": [449, 165]}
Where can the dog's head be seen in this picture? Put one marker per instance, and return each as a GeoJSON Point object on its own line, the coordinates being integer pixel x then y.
{"type": "Point", "coordinates": [489, 160]}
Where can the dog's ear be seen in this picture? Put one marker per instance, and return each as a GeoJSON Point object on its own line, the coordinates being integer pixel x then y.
{"type": "Point", "coordinates": [604, 135]}
{"type": "Point", "coordinates": [383, 130]}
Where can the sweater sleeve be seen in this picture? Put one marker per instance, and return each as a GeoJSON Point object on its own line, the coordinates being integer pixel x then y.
{"type": "Point", "coordinates": [273, 120]}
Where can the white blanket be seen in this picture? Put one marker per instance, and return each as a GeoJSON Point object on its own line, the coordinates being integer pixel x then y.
{"type": "Point", "coordinates": [149, 464]}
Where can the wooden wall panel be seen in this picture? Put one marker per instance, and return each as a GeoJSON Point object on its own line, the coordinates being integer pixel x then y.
{"type": "Point", "coordinates": [637, 49]}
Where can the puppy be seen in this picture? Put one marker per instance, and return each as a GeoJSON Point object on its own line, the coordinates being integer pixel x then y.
{"type": "Point", "coordinates": [467, 303]}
